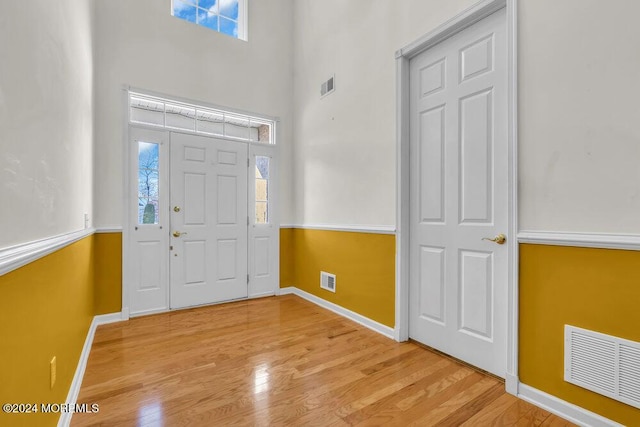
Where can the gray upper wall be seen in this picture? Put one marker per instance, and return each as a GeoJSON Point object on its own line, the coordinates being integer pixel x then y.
{"type": "Point", "coordinates": [579, 136]}
{"type": "Point", "coordinates": [61, 108]}
{"type": "Point", "coordinates": [46, 118]}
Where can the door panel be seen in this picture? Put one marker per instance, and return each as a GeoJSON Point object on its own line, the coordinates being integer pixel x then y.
{"type": "Point", "coordinates": [432, 179]}
{"type": "Point", "coordinates": [459, 195]}
{"type": "Point", "coordinates": [476, 293]}
{"type": "Point", "coordinates": [209, 214]}
{"type": "Point", "coordinates": [262, 264]}
{"type": "Point", "coordinates": [195, 262]}
{"type": "Point", "coordinates": [195, 190]}
{"type": "Point", "coordinates": [148, 272]}
{"type": "Point", "coordinates": [476, 59]}
{"type": "Point", "coordinates": [227, 259]}
{"type": "Point", "coordinates": [227, 200]}
{"type": "Point", "coordinates": [476, 150]}
{"type": "Point", "coordinates": [432, 289]}
{"type": "Point", "coordinates": [432, 78]}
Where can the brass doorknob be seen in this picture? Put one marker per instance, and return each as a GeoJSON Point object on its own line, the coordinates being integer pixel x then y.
{"type": "Point", "coordinates": [499, 239]}
{"type": "Point", "coordinates": [176, 208]}
{"type": "Point", "coordinates": [177, 234]}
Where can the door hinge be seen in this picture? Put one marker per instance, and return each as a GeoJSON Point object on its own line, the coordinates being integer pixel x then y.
{"type": "Point", "coordinates": [247, 279]}
{"type": "Point", "coordinates": [247, 162]}
{"type": "Point", "coordinates": [247, 220]}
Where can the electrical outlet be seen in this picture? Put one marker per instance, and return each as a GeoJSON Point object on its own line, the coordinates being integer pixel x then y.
{"type": "Point", "coordinates": [52, 368]}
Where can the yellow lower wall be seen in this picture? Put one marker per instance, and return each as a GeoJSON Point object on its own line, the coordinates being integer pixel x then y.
{"type": "Point", "coordinates": [46, 308]}
{"type": "Point", "coordinates": [286, 257]}
{"type": "Point", "coordinates": [108, 273]}
{"type": "Point", "coordinates": [596, 289]}
{"type": "Point", "coordinates": [364, 265]}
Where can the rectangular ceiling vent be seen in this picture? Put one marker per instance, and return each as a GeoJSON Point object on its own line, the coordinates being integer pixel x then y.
{"type": "Point", "coordinates": [328, 281]}
{"type": "Point", "coordinates": [602, 363]}
{"type": "Point", "coordinates": [327, 87]}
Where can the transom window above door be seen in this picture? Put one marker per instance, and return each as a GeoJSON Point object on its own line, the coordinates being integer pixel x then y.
{"type": "Point", "coordinates": [181, 116]}
{"type": "Point", "coordinates": [225, 16]}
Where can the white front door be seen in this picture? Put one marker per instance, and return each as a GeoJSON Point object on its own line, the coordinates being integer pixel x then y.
{"type": "Point", "coordinates": [459, 195]}
{"type": "Point", "coordinates": [208, 213]}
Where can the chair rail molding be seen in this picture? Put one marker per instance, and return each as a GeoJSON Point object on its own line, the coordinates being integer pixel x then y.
{"type": "Point", "coordinates": [14, 257]}
{"type": "Point", "coordinates": [581, 240]}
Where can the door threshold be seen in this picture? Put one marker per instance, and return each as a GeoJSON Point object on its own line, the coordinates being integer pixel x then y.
{"type": "Point", "coordinates": [455, 359]}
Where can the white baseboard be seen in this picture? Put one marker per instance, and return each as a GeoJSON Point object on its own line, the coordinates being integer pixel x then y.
{"type": "Point", "coordinates": [566, 410]}
{"type": "Point", "coordinates": [351, 315]}
{"type": "Point", "coordinates": [74, 390]}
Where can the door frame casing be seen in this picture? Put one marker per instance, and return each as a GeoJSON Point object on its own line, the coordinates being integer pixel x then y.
{"type": "Point", "coordinates": [404, 56]}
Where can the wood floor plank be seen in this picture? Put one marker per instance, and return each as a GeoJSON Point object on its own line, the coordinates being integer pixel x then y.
{"type": "Point", "coordinates": [281, 361]}
{"type": "Point", "coordinates": [458, 408]}
{"type": "Point", "coordinates": [391, 389]}
{"type": "Point", "coordinates": [439, 374]}
{"type": "Point", "coordinates": [499, 412]}
{"type": "Point", "coordinates": [554, 421]}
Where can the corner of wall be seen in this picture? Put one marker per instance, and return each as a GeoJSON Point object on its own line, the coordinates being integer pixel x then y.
{"type": "Point", "coordinates": [108, 273]}
{"type": "Point", "coordinates": [363, 262]}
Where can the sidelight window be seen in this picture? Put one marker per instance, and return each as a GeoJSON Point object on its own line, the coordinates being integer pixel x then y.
{"type": "Point", "coordinates": [148, 182]}
{"type": "Point", "coordinates": [262, 190]}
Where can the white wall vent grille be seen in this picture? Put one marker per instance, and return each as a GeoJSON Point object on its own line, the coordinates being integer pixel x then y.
{"type": "Point", "coordinates": [327, 86]}
{"type": "Point", "coordinates": [603, 363]}
{"type": "Point", "coordinates": [328, 281]}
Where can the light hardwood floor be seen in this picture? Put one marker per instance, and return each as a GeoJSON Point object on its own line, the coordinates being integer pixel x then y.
{"type": "Point", "coordinates": [282, 361]}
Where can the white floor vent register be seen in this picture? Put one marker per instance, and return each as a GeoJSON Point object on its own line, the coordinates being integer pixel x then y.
{"type": "Point", "coordinates": [603, 363]}
{"type": "Point", "coordinates": [328, 281]}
